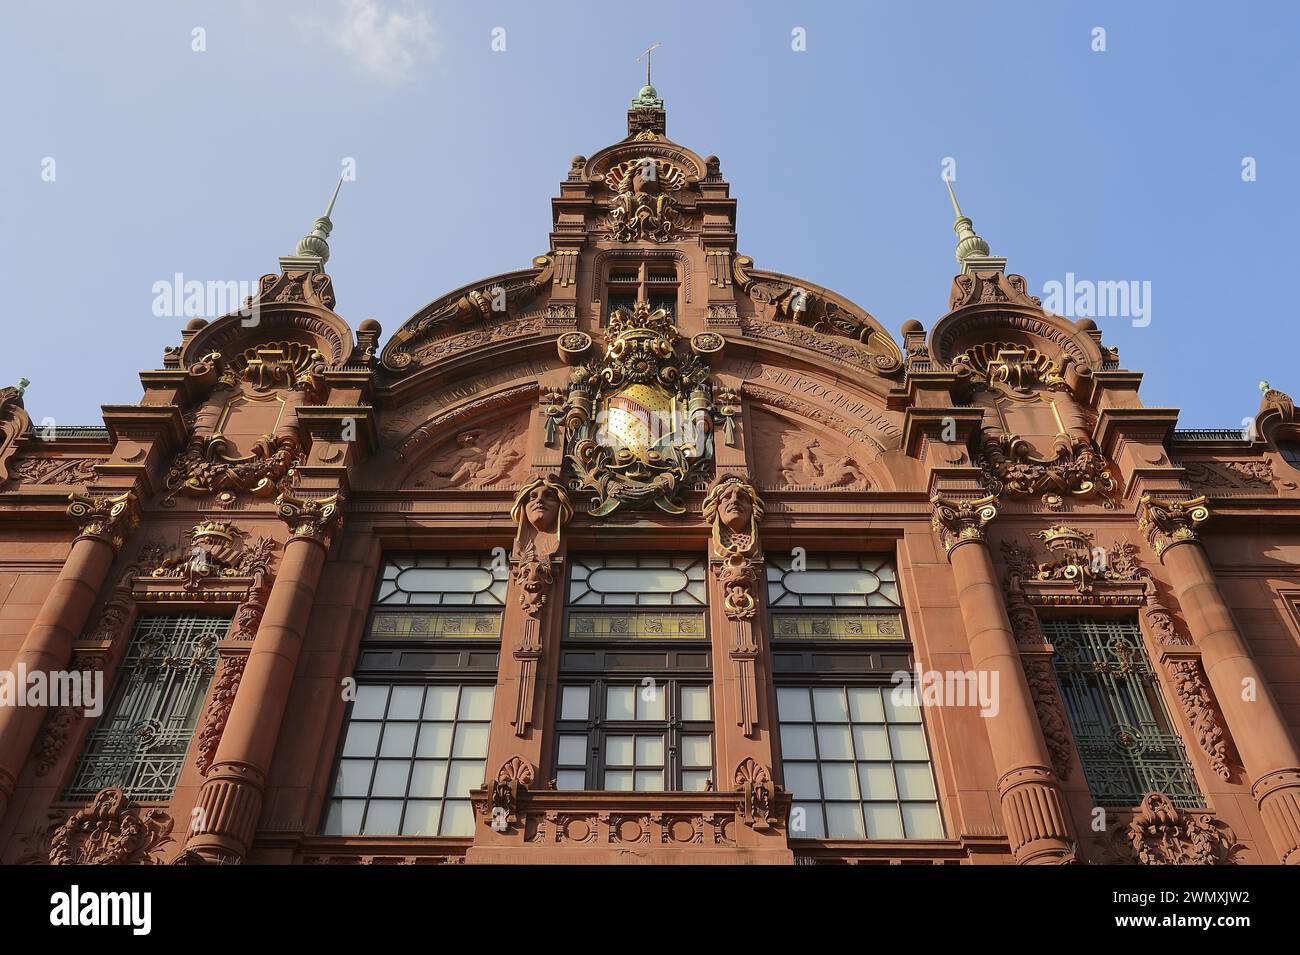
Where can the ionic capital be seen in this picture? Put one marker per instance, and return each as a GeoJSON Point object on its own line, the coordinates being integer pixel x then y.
{"type": "Point", "coordinates": [1166, 523]}
{"type": "Point", "coordinates": [311, 519]}
{"type": "Point", "coordinates": [107, 519]}
{"type": "Point", "coordinates": [957, 522]}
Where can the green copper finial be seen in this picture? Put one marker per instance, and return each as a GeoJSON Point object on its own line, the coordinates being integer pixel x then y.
{"type": "Point", "coordinates": [314, 244]}
{"type": "Point", "coordinates": [22, 386]}
{"type": "Point", "coordinates": [969, 244]}
{"type": "Point", "coordinates": [648, 98]}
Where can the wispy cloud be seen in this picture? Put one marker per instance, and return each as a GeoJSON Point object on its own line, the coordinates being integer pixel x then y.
{"type": "Point", "coordinates": [386, 39]}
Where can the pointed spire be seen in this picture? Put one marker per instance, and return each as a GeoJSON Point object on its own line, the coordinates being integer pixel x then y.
{"type": "Point", "coordinates": [313, 250]}
{"type": "Point", "coordinates": [972, 250]}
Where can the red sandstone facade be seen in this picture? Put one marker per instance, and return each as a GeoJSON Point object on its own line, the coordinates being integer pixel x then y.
{"type": "Point", "coordinates": [1004, 504]}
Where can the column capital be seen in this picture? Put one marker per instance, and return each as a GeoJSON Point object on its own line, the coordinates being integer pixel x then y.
{"type": "Point", "coordinates": [957, 522]}
{"type": "Point", "coordinates": [311, 518]}
{"type": "Point", "coordinates": [109, 519]}
{"type": "Point", "coordinates": [1166, 523]}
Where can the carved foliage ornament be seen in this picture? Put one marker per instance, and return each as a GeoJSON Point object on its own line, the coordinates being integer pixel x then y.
{"type": "Point", "coordinates": [1051, 714]}
{"type": "Point", "coordinates": [757, 794]}
{"type": "Point", "coordinates": [111, 830]}
{"type": "Point", "coordinates": [504, 792]}
{"type": "Point", "coordinates": [215, 549]}
{"type": "Point", "coordinates": [1074, 560]}
{"type": "Point", "coordinates": [1198, 707]}
{"type": "Point", "coordinates": [643, 207]}
{"type": "Point", "coordinates": [220, 702]}
{"type": "Point", "coordinates": [1077, 469]}
{"type": "Point", "coordinates": [641, 418]}
{"type": "Point", "coordinates": [206, 467]}
{"type": "Point", "coordinates": [1162, 834]}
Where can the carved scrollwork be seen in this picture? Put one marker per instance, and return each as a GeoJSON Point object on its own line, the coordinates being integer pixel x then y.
{"type": "Point", "coordinates": [110, 830]}
{"type": "Point", "coordinates": [1166, 523]}
{"type": "Point", "coordinates": [291, 365]}
{"type": "Point", "coordinates": [640, 420]}
{"type": "Point", "coordinates": [206, 466]}
{"type": "Point", "coordinates": [311, 519]}
{"type": "Point", "coordinates": [215, 549]}
{"type": "Point", "coordinates": [643, 206]}
{"type": "Point", "coordinates": [753, 781]}
{"type": "Point", "coordinates": [1077, 469]}
{"type": "Point", "coordinates": [1162, 834]}
{"type": "Point", "coordinates": [108, 519]}
{"type": "Point", "coordinates": [957, 522]}
{"type": "Point", "coordinates": [1198, 706]}
{"type": "Point", "coordinates": [14, 423]}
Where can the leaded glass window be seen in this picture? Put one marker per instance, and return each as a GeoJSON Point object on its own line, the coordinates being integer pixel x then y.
{"type": "Point", "coordinates": [836, 597]}
{"type": "Point", "coordinates": [465, 580]}
{"type": "Point", "coordinates": [140, 742]}
{"type": "Point", "coordinates": [1126, 741]}
{"type": "Point", "coordinates": [635, 720]}
{"type": "Point", "coordinates": [652, 596]}
{"type": "Point", "coordinates": [856, 760]}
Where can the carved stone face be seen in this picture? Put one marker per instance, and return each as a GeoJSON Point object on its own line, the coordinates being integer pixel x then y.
{"type": "Point", "coordinates": [735, 509]}
{"type": "Point", "coordinates": [645, 177]}
{"type": "Point", "coordinates": [543, 509]}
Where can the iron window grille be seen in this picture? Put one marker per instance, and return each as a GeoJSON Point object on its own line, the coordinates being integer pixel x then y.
{"type": "Point", "coordinates": [140, 742]}
{"type": "Point", "coordinates": [1127, 744]}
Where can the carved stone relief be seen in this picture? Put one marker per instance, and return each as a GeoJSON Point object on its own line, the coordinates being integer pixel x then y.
{"type": "Point", "coordinates": [478, 458]}
{"type": "Point", "coordinates": [792, 457]}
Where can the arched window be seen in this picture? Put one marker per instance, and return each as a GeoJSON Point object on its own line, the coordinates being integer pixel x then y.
{"type": "Point", "coordinates": [1290, 451]}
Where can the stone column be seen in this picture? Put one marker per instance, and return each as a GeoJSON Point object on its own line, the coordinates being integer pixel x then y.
{"type": "Point", "coordinates": [1033, 809]}
{"type": "Point", "coordinates": [1268, 753]}
{"type": "Point", "coordinates": [105, 523]}
{"type": "Point", "coordinates": [231, 798]}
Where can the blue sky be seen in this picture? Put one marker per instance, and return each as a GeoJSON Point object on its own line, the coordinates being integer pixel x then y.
{"type": "Point", "coordinates": [1122, 165]}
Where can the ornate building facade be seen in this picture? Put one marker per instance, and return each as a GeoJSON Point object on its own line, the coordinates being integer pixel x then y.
{"type": "Point", "coordinates": [646, 553]}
